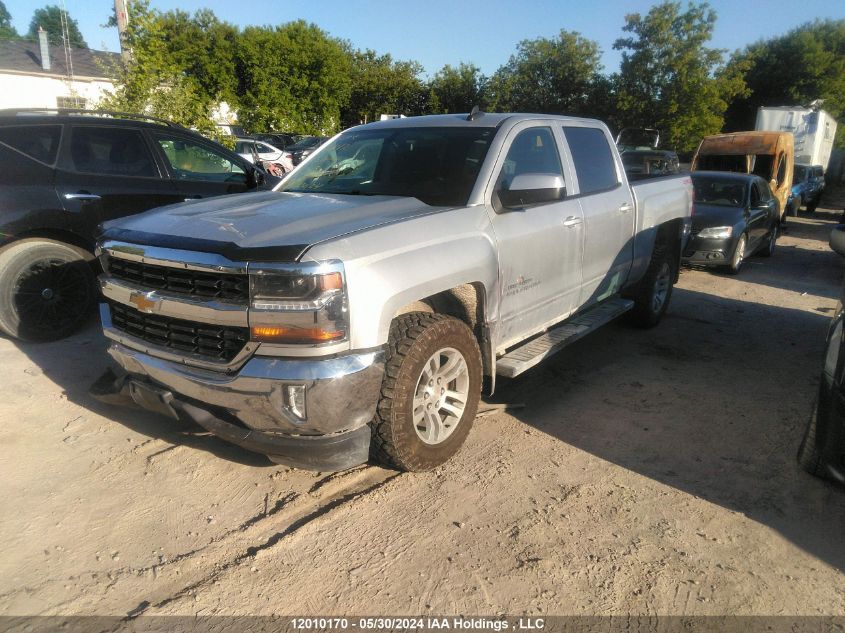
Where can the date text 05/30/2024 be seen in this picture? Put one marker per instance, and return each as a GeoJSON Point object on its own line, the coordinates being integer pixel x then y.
{"type": "Point", "coordinates": [421, 624]}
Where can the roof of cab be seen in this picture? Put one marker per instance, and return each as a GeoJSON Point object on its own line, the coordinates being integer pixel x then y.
{"type": "Point", "coordinates": [481, 119]}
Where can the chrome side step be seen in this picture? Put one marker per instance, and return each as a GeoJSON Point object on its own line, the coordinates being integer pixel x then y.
{"type": "Point", "coordinates": [526, 356]}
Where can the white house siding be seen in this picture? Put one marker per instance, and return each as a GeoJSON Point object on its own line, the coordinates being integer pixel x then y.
{"type": "Point", "coordinates": [19, 90]}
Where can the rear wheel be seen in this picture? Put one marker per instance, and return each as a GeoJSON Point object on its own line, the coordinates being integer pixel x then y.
{"type": "Point", "coordinates": [47, 290]}
{"type": "Point", "coordinates": [811, 206]}
{"type": "Point", "coordinates": [430, 392]}
{"type": "Point", "coordinates": [655, 290]}
{"type": "Point", "coordinates": [769, 248]}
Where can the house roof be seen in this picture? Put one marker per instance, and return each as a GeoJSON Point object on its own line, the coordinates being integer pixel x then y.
{"type": "Point", "coordinates": [24, 56]}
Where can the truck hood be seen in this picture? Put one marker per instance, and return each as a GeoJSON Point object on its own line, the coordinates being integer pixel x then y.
{"type": "Point", "coordinates": [271, 225]}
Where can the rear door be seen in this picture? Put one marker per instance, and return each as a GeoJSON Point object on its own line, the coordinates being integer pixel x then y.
{"type": "Point", "coordinates": [539, 245]}
{"type": "Point", "coordinates": [608, 209]}
{"type": "Point", "coordinates": [108, 172]}
{"type": "Point", "coordinates": [199, 169]}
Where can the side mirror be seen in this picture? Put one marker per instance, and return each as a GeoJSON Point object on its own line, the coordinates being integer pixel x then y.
{"type": "Point", "coordinates": [528, 189]}
{"type": "Point", "coordinates": [837, 240]}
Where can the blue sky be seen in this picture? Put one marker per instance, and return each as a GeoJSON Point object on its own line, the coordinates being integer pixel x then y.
{"type": "Point", "coordinates": [438, 32]}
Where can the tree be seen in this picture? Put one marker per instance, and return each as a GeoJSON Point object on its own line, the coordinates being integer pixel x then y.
{"type": "Point", "coordinates": [50, 19]}
{"type": "Point", "coordinates": [7, 31]}
{"type": "Point", "coordinates": [382, 85]}
{"type": "Point", "coordinates": [669, 79]}
{"type": "Point", "coordinates": [805, 64]}
{"type": "Point", "coordinates": [457, 89]}
{"type": "Point", "coordinates": [554, 76]}
{"type": "Point", "coordinates": [293, 77]}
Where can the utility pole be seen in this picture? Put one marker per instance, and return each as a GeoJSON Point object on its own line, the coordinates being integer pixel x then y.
{"type": "Point", "coordinates": [122, 20]}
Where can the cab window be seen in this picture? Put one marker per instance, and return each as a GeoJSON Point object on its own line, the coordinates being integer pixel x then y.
{"type": "Point", "coordinates": [533, 151]}
{"type": "Point", "coordinates": [40, 142]}
{"type": "Point", "coordinates": [593, 159]}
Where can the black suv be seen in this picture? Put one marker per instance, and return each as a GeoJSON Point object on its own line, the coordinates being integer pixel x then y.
{"type": "Point", "coordinates": [62, 173]}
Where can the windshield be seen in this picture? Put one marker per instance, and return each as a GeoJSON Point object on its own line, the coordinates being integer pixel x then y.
{"type": "Point", "coordinates": [436, 165]}
{"type": "Point", "coordinates": [726, 192]}
{"type": "Point", "coordinates": [799, 174]}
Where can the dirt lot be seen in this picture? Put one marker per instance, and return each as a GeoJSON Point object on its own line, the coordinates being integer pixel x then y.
{"type": "Point", "coordinates": [649, 472]}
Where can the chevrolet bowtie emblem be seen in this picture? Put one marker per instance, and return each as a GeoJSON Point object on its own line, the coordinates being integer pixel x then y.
{"type": "Point", "coordinates": [143, 302]}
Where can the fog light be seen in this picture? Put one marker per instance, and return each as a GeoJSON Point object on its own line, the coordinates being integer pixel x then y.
{"type": "Point", "coordinates": [295, 400]}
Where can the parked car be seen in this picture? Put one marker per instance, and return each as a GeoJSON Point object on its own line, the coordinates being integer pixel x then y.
{"type": "Point", "coordinates": [300, 150]}
{"type": "Point", "coordinates": [254, 151]}
{"type": "Point", "coordinates": [769, 155]}
{"type": "Point", "coordinates": [641, 155]}
{"type": "Point", "coordinates": [358, 309]}
{"type": "Point", "coordinates": [62, 173]}
{"type": "Point", "coordinates": [822, 451]}
{"type": "Point", "coordinates": [807, 187]}
{"type": "Point", "coordinates": [735, 215]}
{"type": "Point", "coordinates": [276, 139]}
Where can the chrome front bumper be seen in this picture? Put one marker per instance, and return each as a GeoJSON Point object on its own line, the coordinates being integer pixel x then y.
{"type": "Point", "coordinates": [341, 393]}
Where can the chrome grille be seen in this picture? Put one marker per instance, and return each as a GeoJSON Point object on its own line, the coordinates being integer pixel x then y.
{"type": "Point", "coordinates": [214, 342]}
{"type": "Point", "coordinates": [227, 287]}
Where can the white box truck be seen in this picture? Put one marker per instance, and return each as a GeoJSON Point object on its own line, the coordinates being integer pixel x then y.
{"type": "Point", "coordinates": [814, 131]}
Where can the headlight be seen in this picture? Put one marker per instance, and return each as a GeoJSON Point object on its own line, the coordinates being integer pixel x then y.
{"type": "Point", "coordinates": [717, 232]}
{"type": "Point", "coordinates": [304, 304]}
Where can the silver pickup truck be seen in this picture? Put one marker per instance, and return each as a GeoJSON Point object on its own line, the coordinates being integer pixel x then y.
{"type": "Point", "coordinates": [362, 307]}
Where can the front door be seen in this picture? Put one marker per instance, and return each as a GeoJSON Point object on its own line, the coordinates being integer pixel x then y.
{"type": "Point", "coordinates": [539, 245]}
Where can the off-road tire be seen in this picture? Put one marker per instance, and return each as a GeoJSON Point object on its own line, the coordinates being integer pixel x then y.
{"type": "Point", "coordinates": [811, 206]}
{"type": "Point", "coordinates": [808, 455]}
{"type": "Point", "coordinates": [67, 283]}
{"type": "Point", "coordinates": [413, 338]}
{"type": "Point", "coordinates": [645, 313]}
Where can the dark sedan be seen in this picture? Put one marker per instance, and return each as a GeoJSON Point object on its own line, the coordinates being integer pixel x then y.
{"type": "Point", "coordinates": [822, 452]}
{"type": "Point", "coordinates": [734, 216]}
{"type": "Point", "coordinates": [300, 150]}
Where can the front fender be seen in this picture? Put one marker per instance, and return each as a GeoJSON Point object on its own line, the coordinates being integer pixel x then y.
{"type": "Point", "coordinates": [391, 266]}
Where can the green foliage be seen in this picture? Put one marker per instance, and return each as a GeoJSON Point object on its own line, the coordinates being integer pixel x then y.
{"type": "Point", "coordinates": [805, 64]}
{"type": "Point", "coordinates": [669, 79]}
{"type": "Point", "coordinates": [381, 85]}
{"type": "Point", "coordinates": [7, 31]}
{"type": "Point", "coordinates": [548, 75]}
{"type": "Point", "coordinates": [292, 77]}
{"type": "Point", "coordinates": [457, 89]}
{"type": "Point", "coordinates": [50, 19]}
{"type": "Point", "coordinates": [152, 82]}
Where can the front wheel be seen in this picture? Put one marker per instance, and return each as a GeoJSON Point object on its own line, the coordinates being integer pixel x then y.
{"type": "Point", "coordinates": [47, 290]}
{"type": "Point", "coordinates": [739, 256]}
{"type": "Point", "coordinates": [430, 392]}
{"type": "Point", "coordinates": [655, 290]}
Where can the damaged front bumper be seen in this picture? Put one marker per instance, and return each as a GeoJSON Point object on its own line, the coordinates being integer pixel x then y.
{"type": "Point", "coordinates": [307, 413]}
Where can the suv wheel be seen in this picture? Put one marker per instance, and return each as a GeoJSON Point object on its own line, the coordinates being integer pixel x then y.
{"type": "Point", "coordinates": [47, 290]}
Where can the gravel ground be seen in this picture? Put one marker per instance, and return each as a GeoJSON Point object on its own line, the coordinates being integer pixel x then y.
{"type": "Point", "coordinates": [647, 472]}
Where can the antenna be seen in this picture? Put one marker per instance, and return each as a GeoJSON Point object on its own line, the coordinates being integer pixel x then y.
{"type": "Point", "coordinates": [68, 52]}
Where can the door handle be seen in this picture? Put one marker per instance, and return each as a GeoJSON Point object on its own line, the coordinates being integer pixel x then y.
{"type": "Point", "coordinates": [572, 220]}
{"type": "Point", "coordinates": [626, 208]}
{"type": "Point", "coordinates": [81, 196]}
